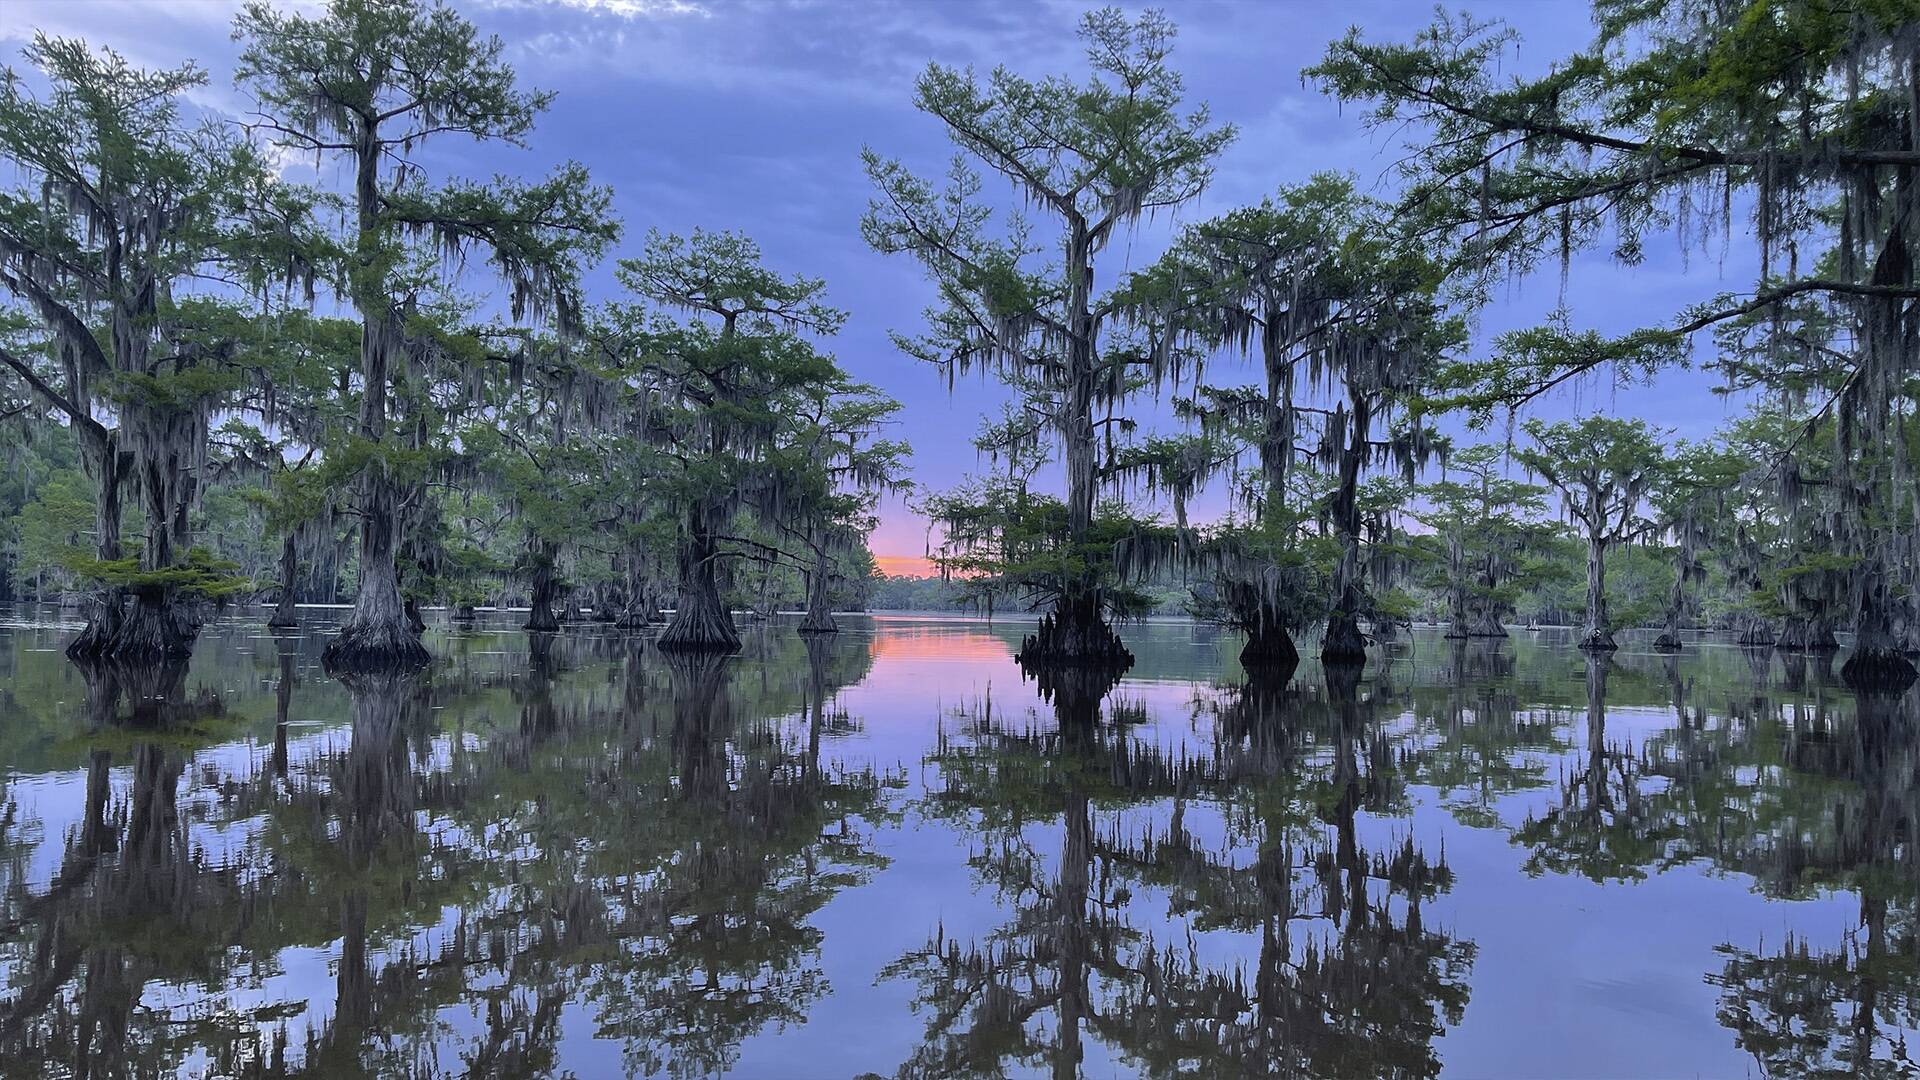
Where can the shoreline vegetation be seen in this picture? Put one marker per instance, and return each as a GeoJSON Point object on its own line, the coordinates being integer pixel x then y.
{"type": "Point", "coordinates": [186, 429]}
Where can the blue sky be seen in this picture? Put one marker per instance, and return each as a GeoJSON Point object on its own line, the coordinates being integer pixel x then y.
{"type": "Point", "coordinates": [751, 116]}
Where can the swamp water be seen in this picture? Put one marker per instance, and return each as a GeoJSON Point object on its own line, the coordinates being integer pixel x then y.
{"type": "Point", "coordinates": [886, 853]}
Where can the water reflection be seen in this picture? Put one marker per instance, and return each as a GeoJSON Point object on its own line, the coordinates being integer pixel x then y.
{"type": "Point", "coordinates": [128, 907]}
{"type": "Point", "coordinates": [887, 853]}
{"type": "Point", "coordinates": [1844, 1008]}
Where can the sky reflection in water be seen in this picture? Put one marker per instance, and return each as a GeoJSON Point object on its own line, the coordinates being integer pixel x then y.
{"type": "Point", "coordinates": [887, 853]}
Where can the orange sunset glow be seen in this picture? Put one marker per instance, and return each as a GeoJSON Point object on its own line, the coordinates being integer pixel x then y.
{"type": "Point", "coordinates": [915, 566]}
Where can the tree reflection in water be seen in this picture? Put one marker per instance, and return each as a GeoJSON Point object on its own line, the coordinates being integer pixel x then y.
{"type": "Point", "coordinates": [249, 871]}
{"type": "Point", "coordinates": [1843, 1008]}
{"type": "Point", "coordinates": [1347, 980]}
{"type": "Point", "coordinates": [132, 903]}
{"type": "Point", "coordinates": [655, 855]}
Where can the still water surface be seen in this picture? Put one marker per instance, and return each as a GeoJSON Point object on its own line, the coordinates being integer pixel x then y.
{"type": "Point", "coordinates": [886, 853]}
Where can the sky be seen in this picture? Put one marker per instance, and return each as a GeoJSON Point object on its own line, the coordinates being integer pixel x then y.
{"type": "Point", "coordinates": [720, 114]}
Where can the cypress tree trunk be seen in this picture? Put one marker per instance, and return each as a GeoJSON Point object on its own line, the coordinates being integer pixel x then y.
{"type": "Point", "coordinates": [1597, 634]}
{"type": "Point", "coordinates": [1669, 639]}
{"type": "Point", "coordinates": [160, 624]}
{"type": "Point", "coordinates": [285, 614]}
{"type": "Point", "coordinates": [1459, 624]}
{"type": "Point", "coordinates": [1269, 649]}
{"type": "Point", "coordinates": [1878, 663]}
{"type": "Point", "coordinates": [1075, 635]}
{"type": "Point", "coordinates": [606, 605]}
{"type": "Point", "coordinates": [639, 612]}
{"type": "Point", "coordinates": [701, 621]}
{"type": "Point", "coordinates": [819, 618]}
{"type": "Point", "coordinates": [1793, 634]}
{"type": "Point", "coordinates": [378, 636]}
{"type": "Point", "coordinates": [106, 465]}
{"type": "Point", "coordinates": [640, 608]}
{"type": "Point", "coordinates": [540, 617]}
{"type": "Point", "coordinates": [1755, 632]}
{"type": "Point", "coordinates": [1343, 643]}
{"type": "Point", "coordinates": [1486, 624]}
{"type": "Point", "coordinates": [156, 628]}
{"type": "Point", "coordinates": [1270, 654]}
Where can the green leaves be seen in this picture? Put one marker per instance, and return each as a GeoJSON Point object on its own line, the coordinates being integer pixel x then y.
{"type": "Point", "coordinates": [1529, 362]}
{"type": "Point", "coordinates": [1679, 117]}
{"type": "Point", "coordinates": [414, 69]}
{"type": "Point", "coordinates": [199, 574]}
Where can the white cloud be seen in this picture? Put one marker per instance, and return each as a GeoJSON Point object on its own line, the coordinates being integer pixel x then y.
{"type": "Point", "coordinates": [626, 9]}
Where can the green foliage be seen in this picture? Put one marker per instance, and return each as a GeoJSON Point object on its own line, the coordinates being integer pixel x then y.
{"type": "Point", "coordinates": [1675, 115]}
{"type": "Point", "coordinates": [200, 574]}
{"type": "Point", "coordinates": [54, 528]}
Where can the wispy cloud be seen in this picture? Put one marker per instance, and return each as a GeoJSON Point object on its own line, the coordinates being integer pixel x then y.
{"type": "Point", "coordinates": [625, 9]}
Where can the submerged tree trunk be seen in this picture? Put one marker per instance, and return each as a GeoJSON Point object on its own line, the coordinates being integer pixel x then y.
{"type": "Point", "coordinates": [1487, 624]}
{"type": "Point", "coordinates": [1669, 639]}
{"type": "Point", "coordinates": [701, 621]}
{"type": "Point", "coordinates": [1343, 642]}
{"type": "Point", "coordinates": [540, 615]}
{"type": "Point", "coordinates": [285, 614]}
{"type": "Point", "coordinates": [1269, 650]}
{"type": "Point", "coordinates": [156, 628]}
{"type": "Point", "coordinates": [1597, 634]}
{"type": "Point", "coordinates": [1755, 631]}
{"type": "Point", "coordinates": [819, 618]}
{"type": "Point", "coordinates": [1075, 635]}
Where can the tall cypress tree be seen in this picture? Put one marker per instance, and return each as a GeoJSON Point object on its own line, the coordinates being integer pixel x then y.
{"type": "Point", "coordinates": [369, 82]}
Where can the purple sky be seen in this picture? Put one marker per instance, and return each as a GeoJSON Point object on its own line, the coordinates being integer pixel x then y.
{"type": "Point", "coordinates": [752, 117]}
